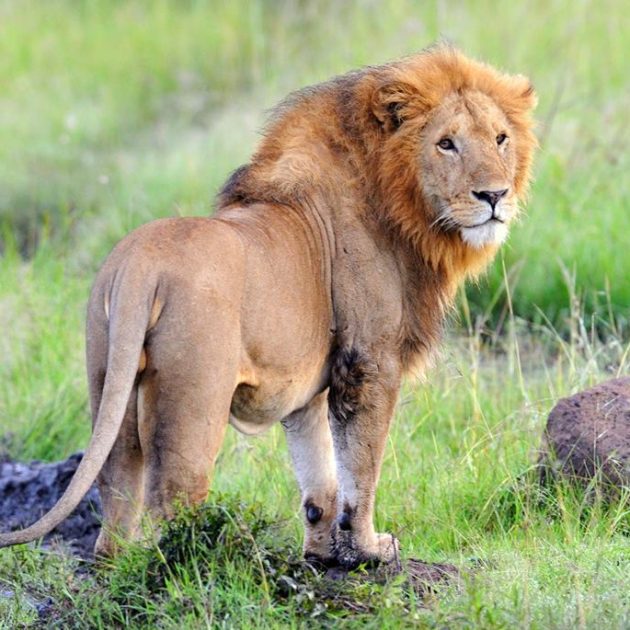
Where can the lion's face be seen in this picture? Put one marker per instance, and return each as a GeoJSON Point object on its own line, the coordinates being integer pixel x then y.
{"type": "Point", "coordinates": [468, 166]}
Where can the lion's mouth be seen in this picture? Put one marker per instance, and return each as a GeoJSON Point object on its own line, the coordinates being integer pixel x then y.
{"type": "Point", "coordinates": [492, 230]}
{"type": "Point", "coordinates": [489, 221]}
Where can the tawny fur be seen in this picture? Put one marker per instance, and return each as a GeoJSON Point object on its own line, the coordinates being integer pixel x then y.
{"type": "Point", "coordinates": [323, 277]}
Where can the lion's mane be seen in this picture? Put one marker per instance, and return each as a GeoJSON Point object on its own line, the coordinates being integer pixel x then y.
{"type": "Point", "coordinates": [332, 145]}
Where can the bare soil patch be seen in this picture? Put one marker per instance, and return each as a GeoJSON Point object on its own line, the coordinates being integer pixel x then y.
{"type": "Point", "coordinates": [28, 490]}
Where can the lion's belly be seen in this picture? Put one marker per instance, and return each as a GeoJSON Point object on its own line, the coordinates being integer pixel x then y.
{"type": "Point", "coordinates": [255, 408]}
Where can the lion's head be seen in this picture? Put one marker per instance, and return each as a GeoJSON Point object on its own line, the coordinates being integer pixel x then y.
{"type": "Point", "coordinates": [454, 144]}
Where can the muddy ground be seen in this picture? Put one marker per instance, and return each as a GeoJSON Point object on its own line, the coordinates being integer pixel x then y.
{"type": "Point", "coordinates": [28, 490]}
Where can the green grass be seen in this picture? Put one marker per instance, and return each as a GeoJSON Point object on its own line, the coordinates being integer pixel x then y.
{"type": "Point", "coordinates": [114, 113]}
{"type": "Point", "coordinates": [457, 486]}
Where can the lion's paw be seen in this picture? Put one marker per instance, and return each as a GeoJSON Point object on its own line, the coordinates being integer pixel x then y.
{"type": "Point", "coordinates": [350, 552]}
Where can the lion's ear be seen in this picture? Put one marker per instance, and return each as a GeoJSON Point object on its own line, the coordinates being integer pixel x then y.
{"type": "Point", "coordinates": [524, 93]}
{"type": "Point", "coordinates": [392, 103]}
{"type": "Point", "coordinates": [529, 96]}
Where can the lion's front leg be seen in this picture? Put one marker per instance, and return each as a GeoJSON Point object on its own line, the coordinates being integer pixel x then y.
{"type": "Point", "coordinates": [310, 444]}
{"type": "Point", "coordinates": [362, 398]}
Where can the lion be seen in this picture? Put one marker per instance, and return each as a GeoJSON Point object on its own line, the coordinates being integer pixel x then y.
{"type": "Point", "coordinates": [322, 279]}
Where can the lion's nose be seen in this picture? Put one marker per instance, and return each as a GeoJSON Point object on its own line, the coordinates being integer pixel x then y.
{"type": "Point", "coordinates": [491, 196]}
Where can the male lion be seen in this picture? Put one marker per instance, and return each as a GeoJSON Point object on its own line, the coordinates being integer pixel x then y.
{"type": "Point", "coordinates": [323, 278]}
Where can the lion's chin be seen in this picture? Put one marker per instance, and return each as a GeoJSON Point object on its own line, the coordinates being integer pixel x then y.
{"type": "Point", "coordinates": [490, 233]}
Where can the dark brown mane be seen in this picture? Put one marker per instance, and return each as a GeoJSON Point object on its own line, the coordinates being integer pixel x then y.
{"type": "Point", "coordinates": [294, 127]}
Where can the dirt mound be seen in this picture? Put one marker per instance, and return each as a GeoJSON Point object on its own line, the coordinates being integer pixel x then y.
{"type": "Point", "coordinates": [589, 433]}
{"type": "Point", "coordinates": [422, 577]}
{"type": "Point", "coordinates": [28, 490]}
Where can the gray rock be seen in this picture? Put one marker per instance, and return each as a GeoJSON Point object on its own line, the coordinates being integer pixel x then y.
{"type": "Point", "coordinates": [588, 434]}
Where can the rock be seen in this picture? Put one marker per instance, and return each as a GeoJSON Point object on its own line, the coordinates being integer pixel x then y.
{"type": "Point", "coordinates": [27, 491]}
{"type": "Point", "coordinates": [589, 433]}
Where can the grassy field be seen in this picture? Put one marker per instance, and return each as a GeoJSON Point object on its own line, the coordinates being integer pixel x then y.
{"type": "Point", "coordinates": [458, 486]}
{"type": "Point", "coordinates": [114, 113]}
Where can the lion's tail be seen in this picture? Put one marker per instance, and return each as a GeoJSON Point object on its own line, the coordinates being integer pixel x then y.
{"type": "Point", "coordinates": [127, 329]}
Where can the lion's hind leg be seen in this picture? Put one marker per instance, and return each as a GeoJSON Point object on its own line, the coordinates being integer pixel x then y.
{"type": "Point", "coordinates": [184, 404]}
{"type": "Point", "coordinates": [121, 486]}
{"type": "Point", "coordinates": [311, 447]}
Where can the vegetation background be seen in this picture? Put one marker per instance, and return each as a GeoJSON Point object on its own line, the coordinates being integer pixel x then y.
{"type": "Point", "coordinates": [113, 113]}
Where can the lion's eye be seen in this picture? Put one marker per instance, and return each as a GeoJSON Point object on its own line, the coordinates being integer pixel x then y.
{"type": "Point", "coordinates": [446, 144]}
{"type": "Point", "coordinates": [501, 138]}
